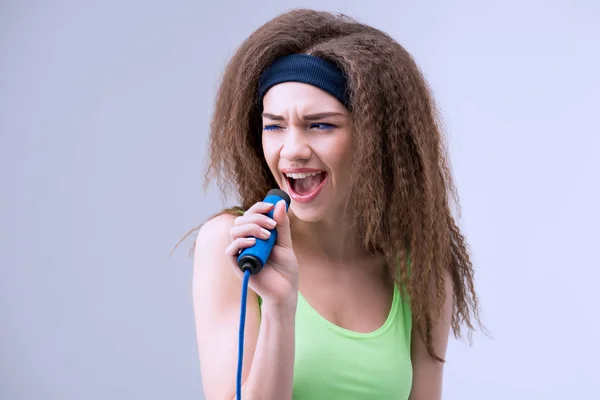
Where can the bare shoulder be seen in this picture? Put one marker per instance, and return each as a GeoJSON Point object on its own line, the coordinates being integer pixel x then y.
{"type": "Point", "coordinates": [212, 267]}
{"type": "Point", "coordinates": [215, 229]}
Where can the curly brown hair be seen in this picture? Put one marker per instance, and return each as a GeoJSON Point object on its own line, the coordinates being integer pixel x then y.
{"type": "Point", "coordinates": [402, 187]}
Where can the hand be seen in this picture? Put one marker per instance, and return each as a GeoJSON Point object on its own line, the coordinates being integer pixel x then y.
{"type": "Point", "coordinates": [278, 280]}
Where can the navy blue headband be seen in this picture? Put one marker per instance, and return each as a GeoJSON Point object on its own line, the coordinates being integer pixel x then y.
{"type": "Point", "coordinates": [308, 69]}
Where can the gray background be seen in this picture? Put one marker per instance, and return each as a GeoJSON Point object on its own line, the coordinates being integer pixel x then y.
{"type": "Point", "coordinates": [104, 110]}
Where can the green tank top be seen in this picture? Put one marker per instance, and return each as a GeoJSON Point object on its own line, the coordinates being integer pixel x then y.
{"type": "Point", "coordinates": [335, 363]}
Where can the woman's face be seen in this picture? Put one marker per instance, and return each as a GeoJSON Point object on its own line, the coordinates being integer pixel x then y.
{"type": "Point", "coordinates": [306, 141]}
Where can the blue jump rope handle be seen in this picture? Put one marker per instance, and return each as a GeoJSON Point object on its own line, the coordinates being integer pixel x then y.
{"type": "Point", "coordinates": [251, 260]}
{"type": "Point", "coordinates": [254, 258]}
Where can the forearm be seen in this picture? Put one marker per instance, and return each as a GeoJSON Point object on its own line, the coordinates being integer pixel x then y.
{"type": "Point", "coordinates": [272, 370]}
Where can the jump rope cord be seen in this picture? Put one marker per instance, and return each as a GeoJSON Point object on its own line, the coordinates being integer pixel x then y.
{"type": "Point", "coordinates": [238, 386]}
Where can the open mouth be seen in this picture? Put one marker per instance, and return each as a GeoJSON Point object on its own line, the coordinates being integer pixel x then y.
{"type": "Point", "coordinates": [305, 187]}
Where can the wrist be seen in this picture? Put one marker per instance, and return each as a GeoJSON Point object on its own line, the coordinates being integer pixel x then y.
{"type": "Point", "coordinates": [281, 306]}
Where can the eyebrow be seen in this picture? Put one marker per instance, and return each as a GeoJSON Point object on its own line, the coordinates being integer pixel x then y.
{"type": "Point", "coordinates": [311, 117]}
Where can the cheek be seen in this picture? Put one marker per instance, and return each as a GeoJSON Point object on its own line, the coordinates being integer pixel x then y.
{"type": "Point", "coordinates": [336, 153]}
{"type": "Point", "coordinates": [271, 153]}
{"type": "Point", "coordinates": [342, 154]}
{"type": "Point", "coordinates": [344, 165]}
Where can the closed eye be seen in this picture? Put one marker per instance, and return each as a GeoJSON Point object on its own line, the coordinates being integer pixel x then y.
{"type": "Point", "coordinates": [322, 126]}
{"type": "Point", "coordinates": [319, 126]}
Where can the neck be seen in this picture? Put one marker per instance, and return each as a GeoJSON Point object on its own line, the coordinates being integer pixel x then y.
{"type": "Point", "coordinates": [329, 240]}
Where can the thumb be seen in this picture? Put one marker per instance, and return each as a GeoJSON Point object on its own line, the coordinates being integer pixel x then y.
{"type": "Point", "coordinates": [284, 234]}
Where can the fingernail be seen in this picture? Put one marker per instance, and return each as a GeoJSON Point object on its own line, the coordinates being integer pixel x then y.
{"type": "Point", "coordinates": [271, 222]}
{"type": "Point", "coordinates": [250, 239]}
{"type": "Point", "coordinates": [265, 232]}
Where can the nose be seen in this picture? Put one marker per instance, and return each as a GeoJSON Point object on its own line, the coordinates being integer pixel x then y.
{"type": "Point", "coordinates": [295, 145]}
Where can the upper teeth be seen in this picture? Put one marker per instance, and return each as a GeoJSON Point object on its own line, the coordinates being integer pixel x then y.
{"type": "Point", "coordinates": [301, 175]}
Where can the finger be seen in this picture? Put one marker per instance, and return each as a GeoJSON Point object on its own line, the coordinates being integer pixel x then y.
{"type": "Point", "coordinates": [249, 230]}
{"type": "Point", "coordinates": [258, 219]}
{"type": "Point", "coordinates": [284, 235]}
{"type": "Point", "coordinates": [260, 207]}
{"type": "Point", "coordinates": [239, 244]}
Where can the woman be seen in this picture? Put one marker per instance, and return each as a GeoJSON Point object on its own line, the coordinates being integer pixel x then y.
{"type": "Point", "coordinates": [369, 270]}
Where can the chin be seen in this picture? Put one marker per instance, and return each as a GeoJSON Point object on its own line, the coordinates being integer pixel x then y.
{"type": "Point", "coordinates": [307, 212]}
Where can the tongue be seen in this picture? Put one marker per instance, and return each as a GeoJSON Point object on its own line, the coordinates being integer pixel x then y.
{"type": "Point", "coordinates": [308, 184]}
